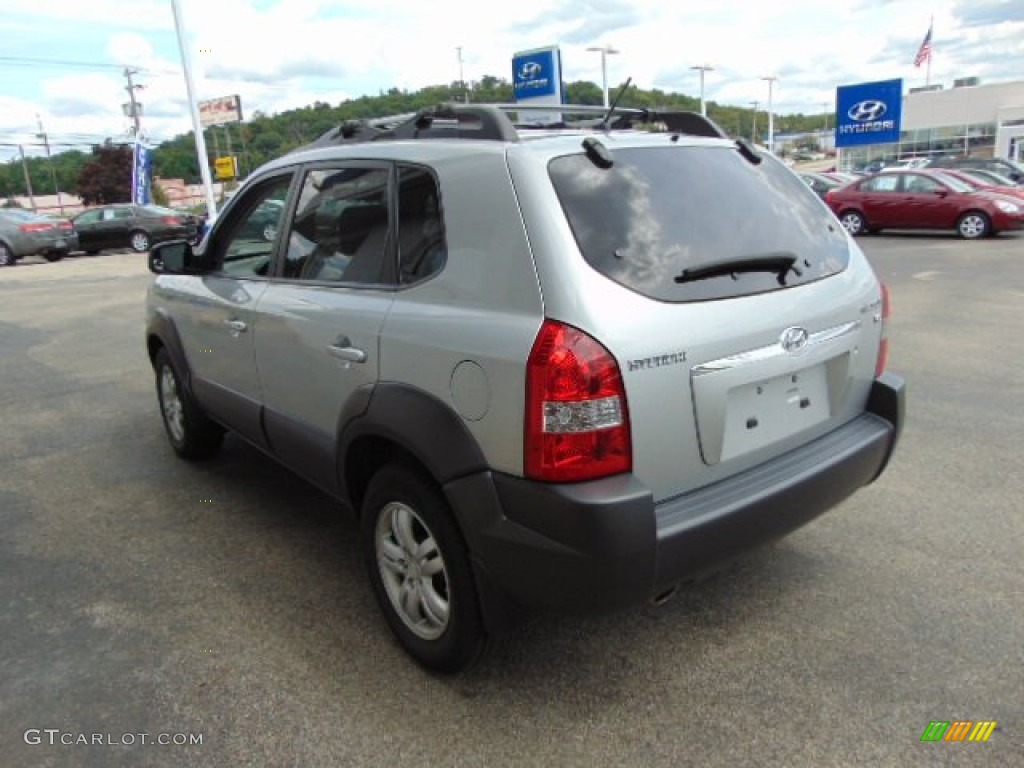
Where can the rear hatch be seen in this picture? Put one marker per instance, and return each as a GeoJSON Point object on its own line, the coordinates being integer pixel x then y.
{"type": "Point", "coordinates": [743, 319]}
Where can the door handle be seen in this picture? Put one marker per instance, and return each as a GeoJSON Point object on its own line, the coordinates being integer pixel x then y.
{"type": "Point", "coordinates": [343, 350]}
{"type": "Point", "coordinates": [236, 326]}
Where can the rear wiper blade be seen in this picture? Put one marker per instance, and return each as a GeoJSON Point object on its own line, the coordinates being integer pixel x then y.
{"type": "Point", "coordinates": [780, 263]}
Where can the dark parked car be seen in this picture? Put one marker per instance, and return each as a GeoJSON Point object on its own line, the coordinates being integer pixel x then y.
{"type": "Point", "coordinates": [923, 199]}
{"type": "Point", "coordinates": [820, 183]}
{"type": "Point", "coordinates": [132, 226]}
{"type": "Point", "coordinates": [998, 165]}
{"type": "Point", "coordinates": [23, 233]}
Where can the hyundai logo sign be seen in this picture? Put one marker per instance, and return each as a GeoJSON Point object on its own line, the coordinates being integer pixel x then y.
{"type": "Point", "coordinates": [536, 74]}
{"type": "Point", "coordinates": [867, 111]}
{"type": "Point", "coordinates": [530, 70]}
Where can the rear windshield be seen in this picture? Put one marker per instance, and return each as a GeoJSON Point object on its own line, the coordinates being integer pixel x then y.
{"type": "Point", "coordinates": [659, 211]}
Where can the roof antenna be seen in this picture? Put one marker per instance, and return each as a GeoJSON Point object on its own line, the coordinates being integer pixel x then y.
{"type": "Point", "coordinates": [611, 109]}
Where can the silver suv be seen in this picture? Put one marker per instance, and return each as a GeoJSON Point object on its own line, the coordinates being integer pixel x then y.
{"type": "Point", "coordinates": [549, 366]}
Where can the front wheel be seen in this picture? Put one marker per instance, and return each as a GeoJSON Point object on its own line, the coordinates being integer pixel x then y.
{"type": "Point", "coordinates": [6, 256]}
{"type": "Point", "coordinates": [420, 570]}
{"type": "Point", "coordinates": [191, 434]}
{"type": "Point", "coordinates": [139, 241]}
{"type": "Point", "coordinates": [973, 225]}
{"type": "Point", "coordinates": [853, 223]}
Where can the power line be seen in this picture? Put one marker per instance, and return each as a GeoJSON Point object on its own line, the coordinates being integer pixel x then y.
{"type": "Point", "coordinates": [29, 60]}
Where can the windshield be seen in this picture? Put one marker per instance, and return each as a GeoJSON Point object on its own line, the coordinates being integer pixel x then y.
{"type": "Point", "coordinates": [660, 212]}
{"type": "Point", "coordinates": [957, 184]}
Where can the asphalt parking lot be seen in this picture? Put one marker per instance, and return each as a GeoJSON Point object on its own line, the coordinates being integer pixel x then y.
{"type": "Point", "coordinates": [143, 595]}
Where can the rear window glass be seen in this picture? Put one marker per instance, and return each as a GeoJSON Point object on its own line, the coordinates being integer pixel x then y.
{"type": "Point", "coordinates": [661, 210]}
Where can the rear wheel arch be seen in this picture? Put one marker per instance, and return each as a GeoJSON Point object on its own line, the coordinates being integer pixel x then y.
{"type": "Point", "coordinates": [398, 422]}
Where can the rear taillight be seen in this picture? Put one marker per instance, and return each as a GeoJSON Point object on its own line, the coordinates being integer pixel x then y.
{"type": "Point", "coordinates": [577, 422]}
{"type": "Point", "coordinates": [828, 196]}
{"type": "Point", "coordinates": [171, 221]}
{"type": "Point", "coordinates": [65, 225]}
{"type": "Point", "coordinates": [883, 345]}
{"type": "Point", "coordinates": [35, 226]}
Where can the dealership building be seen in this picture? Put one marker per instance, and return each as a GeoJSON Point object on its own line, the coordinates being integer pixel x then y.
{"type": "Point", "coordinates": [967, 119]}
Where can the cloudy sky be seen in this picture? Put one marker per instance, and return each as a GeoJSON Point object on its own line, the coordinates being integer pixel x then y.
{"type": "Point", "coordinates": [63, 59]}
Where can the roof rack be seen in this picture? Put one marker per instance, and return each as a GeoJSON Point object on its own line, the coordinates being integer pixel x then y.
{"type": "Point", "coordinates": [495, 122]}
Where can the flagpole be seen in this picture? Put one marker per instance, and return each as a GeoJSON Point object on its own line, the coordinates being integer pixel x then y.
{"type": "Point", "coordinates": [928, 72]}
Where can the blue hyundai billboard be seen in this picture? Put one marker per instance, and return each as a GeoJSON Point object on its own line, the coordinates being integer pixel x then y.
{"type": "Point", "coordinates": [535, 73]}
{"type": "Point", "coordinates": [869, 113]}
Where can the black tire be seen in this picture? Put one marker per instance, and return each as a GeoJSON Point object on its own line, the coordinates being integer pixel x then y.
{"type": "Point", "coordinates": [52, 257]}
{"type": "Point", "coordinates": [7, 258]}
{"type": "Point", "coordinates": [192, 435]}
{"type": "Point", "coordinates": [974, 225]}
{"type": "Point", "coordinates": [853, 222]}
{"type": "Point", "coordinates": [91, 253]}
{"type": "Point", "coordinates": [425, 586]}
{"type": "Point", "coordinates": [139, 241]}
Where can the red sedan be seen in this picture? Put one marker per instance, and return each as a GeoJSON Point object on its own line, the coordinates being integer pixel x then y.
{"type": "Point", "coordinates": [923, 199]}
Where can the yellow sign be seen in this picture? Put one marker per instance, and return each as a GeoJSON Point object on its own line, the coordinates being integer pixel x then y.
{"type": "Point", "coordinates": [225, 167]}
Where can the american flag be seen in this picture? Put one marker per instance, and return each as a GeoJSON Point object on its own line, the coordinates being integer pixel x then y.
{"type": "Point", "coordinates": [925, 51]}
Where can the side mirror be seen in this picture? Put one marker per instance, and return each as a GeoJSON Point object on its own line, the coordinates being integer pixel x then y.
{"type": "Point", "coordinates": [171, 258]}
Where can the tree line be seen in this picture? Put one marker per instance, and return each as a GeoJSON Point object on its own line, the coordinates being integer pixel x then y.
{"type": "Point", "coordinates": [264, 137]}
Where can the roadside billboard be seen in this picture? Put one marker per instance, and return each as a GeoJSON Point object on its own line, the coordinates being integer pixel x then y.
{"type": "Point", "coordinates": [226, 109]}
{"type": "Point", "coordinates": [869, 113]}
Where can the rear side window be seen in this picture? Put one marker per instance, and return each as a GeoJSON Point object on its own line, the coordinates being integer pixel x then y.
{"type": "Point", "coordinates": [421, 240]}
{"type": "Point", "coordinates": [661, 211]}
{"type": "Point", "coordinates": [340, 230]}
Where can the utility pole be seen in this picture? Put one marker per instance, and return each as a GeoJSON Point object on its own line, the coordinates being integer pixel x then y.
{"type": "Point", "coordinates": [28, 179]}
{"type": "Point", "coordinates": [753, 125]}
{"type": "Point", "coordinates": [133, 108]}
{"type": "Point", "coordinates": [53, 174]}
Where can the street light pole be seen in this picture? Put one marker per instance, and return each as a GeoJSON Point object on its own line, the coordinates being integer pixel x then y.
{"type": "Point", "coordinates": [462, 80]}
{"type": "Point", "coordinates": [703, 68]}
{"type": "Point", "coordinates": [771, 117]}
{"type": "Point", "coordinates": [605, 51]}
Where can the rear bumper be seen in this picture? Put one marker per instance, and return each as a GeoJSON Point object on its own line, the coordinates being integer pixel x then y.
{"type": "Point", "coordinates": [605, 544]}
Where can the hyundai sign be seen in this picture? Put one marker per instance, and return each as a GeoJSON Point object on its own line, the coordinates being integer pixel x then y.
{"type": "Point", "coordinates": [142, 168]}
{"type": "Point", "coordinates": [535, 73]}
{"type": "Point", "coordinates": [869, 113]}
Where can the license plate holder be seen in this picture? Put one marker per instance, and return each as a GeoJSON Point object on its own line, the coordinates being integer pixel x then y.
{"type": "Point", "coordinates": [765, 412]}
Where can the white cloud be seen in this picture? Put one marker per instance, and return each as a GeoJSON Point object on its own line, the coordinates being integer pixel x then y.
{"type": "Point", "coordinates": [289, 53]}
